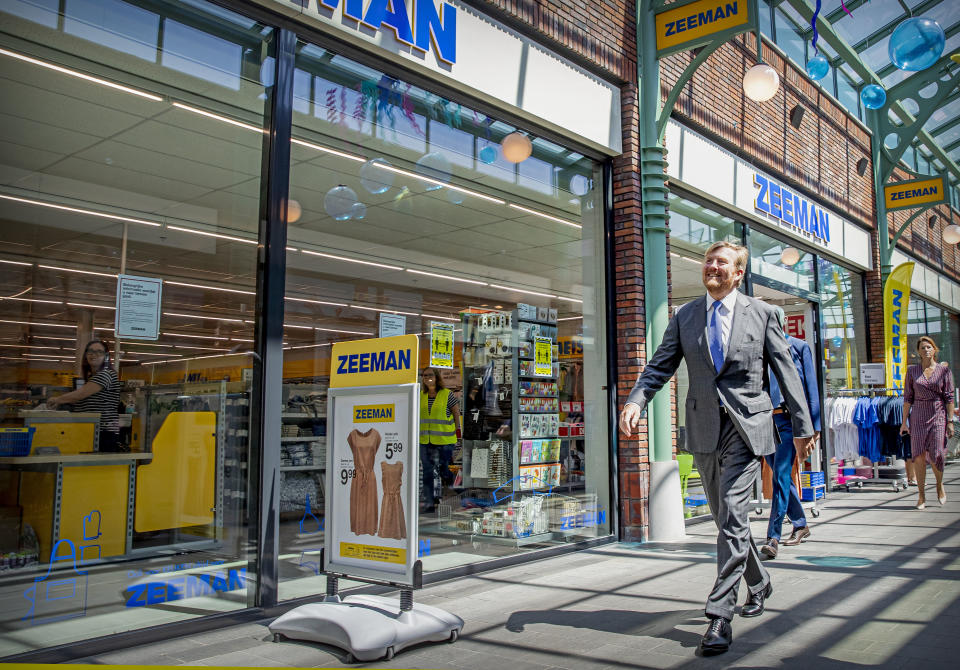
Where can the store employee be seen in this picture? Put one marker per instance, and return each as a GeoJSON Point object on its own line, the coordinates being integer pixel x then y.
{"type": "Point", "coordinates": [99, 393]}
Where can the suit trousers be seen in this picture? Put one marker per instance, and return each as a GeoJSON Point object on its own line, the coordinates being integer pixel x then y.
{"type": "Point", "coordinates": [728, 475]}
{"type": "Point", "coordinates": [786, 498]}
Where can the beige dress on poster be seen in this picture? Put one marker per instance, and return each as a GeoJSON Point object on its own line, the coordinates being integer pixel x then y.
{"type": "Point", "coordinates": [363, 489]}
{"type": "Point", "coordinates": [393, 523]}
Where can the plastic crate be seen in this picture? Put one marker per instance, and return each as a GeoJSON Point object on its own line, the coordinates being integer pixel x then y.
{"type": "Point", "coordinates": [695, 500]}
{"type": "Point", "coordinates": [16, 441]}
{"type": "Point", "coordinates": [816, 493]}
{"type": "Point", "coordinates": [810, 479]}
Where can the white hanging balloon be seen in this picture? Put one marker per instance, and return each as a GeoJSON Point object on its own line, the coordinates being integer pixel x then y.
{"type": "Point", "coordinates": [339, 202]}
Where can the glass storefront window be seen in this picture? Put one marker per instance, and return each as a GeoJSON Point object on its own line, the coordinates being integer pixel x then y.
{"type": "Point", "coordinates": [790, 34]}
{"type": "Point", "coordinates": [780, 264]}
{"type": "Point", "coordinates": [844, 340]}
{"type": "Point", "coordinates": [404, 203]}
{"type": "Point", "coordinates": [693, 228]}
{"type": "Point", "coordinates": [131, 145]}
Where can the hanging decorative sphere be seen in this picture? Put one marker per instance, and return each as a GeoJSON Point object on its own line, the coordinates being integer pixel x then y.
{"type": "Point", "coordinates": [790, 256]}
{"type": "Point", "coordinates": [339, 202]}
{"type": "Point", "coordinates": [761, 82]}
{"type": "Point", "coordinates": [488, 154]}
{"type": "Point", "coordinates": [435, 166]}
{"type": "Point", "coordinates": [374, 178]}
{"type": "Point", "coordinates": [951, 234]}
{"type": "Point", "coordinates": [818, 67]}
{"type": "Point", "coordinates": [579, 184]}
{"type": "Point", "coordinates": [916, 44]}
{"type": "Point", "coordinates": [516, 147]}
{"type": "Point", "coordinates": [294, 211]}
{"type": "Point", "coordinates": [873, 96]}
{"type": "Point", "coordinates": [837, 341]}
{"type": "Point", "coordinates": [358, 211]}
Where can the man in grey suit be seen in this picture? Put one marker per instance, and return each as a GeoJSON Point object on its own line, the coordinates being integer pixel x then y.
{"type": "Point", "coordinates": [727, 340]}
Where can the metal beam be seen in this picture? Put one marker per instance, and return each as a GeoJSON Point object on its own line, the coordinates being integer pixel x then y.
{"type": "Point", "coordinates": [852, 59]}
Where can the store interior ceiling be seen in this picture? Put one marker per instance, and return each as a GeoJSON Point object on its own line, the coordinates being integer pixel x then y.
{"type": "Point", "coordinates": [180, 171]}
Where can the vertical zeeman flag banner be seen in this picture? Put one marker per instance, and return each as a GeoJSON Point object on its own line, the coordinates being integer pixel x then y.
{"type": "Point", "coordinates": [441, 345]}
{"type": "Point", "coordinates": [896, 299]}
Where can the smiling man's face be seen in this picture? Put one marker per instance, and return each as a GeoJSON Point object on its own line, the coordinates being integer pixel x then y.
{"type": "Point", "coordinates": [720, 272]}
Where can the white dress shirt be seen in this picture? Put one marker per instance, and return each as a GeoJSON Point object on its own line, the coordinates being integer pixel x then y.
{"type": "Point", "coordinates": [724, 318]}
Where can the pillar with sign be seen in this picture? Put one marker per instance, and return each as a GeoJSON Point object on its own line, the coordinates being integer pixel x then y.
{"type": "Point", "coordinates": [373, 413]}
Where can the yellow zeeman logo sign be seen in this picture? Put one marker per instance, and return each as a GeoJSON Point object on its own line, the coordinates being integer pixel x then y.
{"type": "Point", "coordinates": [368, 413]}
{"type": "Point", "coordinates": [914, 193]}
{"type": "Point", "coordinates": [697, 20]}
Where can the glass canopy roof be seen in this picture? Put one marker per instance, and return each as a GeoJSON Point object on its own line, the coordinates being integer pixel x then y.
{"type": "Point", "coordinates": [866, 30]}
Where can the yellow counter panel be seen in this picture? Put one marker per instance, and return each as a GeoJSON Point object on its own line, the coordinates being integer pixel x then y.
{"type": "Point", "coordinates": [93, 509]}
{"type": "Point", "coordinates": [177, 489]}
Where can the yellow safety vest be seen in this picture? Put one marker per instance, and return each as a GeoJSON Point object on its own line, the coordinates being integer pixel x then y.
{"type": "Point", "coordinates": [436, 425]}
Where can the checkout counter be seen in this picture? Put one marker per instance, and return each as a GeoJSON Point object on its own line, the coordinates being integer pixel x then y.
{"type": "Point", "coordinates": [106, 504]}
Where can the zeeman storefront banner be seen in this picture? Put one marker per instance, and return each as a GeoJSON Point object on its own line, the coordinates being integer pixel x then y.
{"type": "Point", "coordinates": [896, 298]}
{"type": "Point", "coordinates": [375, 362]}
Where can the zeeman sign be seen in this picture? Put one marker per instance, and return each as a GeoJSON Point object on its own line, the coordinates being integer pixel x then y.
{"type": "Point", "coordinates": [424, 25]}
{"type": "Point", "coordinates": [378, 361]}
{"type": "Point", "coordinates": [914, 193]}
{"type": "Point", "coordinates": [790, 209]}
{"type": "Point", "coordinates": [688, 24]}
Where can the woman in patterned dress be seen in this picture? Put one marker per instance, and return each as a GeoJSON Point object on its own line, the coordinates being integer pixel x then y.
{"type": "Point", "coordinates": [928, 402]}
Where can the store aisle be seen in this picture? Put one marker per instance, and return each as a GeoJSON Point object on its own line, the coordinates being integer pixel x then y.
{"type": "Point", "coordinates": [877, 585]}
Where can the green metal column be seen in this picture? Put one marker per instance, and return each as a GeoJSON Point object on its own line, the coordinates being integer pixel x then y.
{"type": "Point", "coordinates": [654, 199]}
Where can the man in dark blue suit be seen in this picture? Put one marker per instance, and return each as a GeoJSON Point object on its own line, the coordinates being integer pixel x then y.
{"type": "Point", "coordinates": [786, 499]}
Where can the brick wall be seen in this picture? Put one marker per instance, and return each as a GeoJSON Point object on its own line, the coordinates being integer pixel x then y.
{"type": "Point", "coordinates": [820, 157]}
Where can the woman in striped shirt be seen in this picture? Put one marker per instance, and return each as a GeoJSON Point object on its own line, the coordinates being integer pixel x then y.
{"type": "Point", "coordinates": [100, 393]}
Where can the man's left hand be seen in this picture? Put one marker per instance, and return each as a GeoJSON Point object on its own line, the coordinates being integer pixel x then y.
{"type": "Point", "coordinates": [804, 446]}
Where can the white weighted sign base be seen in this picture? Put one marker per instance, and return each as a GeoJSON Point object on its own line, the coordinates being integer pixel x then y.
{"type": "Point", "coordinates": [369, 627]}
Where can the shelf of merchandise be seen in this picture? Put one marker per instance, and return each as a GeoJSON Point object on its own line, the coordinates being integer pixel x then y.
{"type": "Point", "coordinates": [301, 468]}
{"type": "Point", "coordinates": [293, 415]}
{"type": "Point", "coordinates": [304, 438]}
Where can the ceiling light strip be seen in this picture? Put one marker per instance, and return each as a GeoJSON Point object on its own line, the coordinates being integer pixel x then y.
{"type": "Point", "coordinates": [82, 272]}
{"type": "Point", "coordinates": [49, 302]}
{"type": "Point", "coordinates": [209, 288]}
{"type": "Point", "coordinates": [388, 311]}
{"type": "Point", "coordinates": [450, 277]}
{"type": "Point", "coordinates": [40, 323]}
{"type": "Point", "coordinates": [218, 117]}
{"type": "Point", "coordinates": [347, 332]}
{"type": "Point", "coordinates": [437, 182]}
{"type": "Point", "coordinates": [570, 318]}
{"type": "Point", "coordinates": [3, 260]}
{"type": "Point", "coordinates": [520, 290]}
{"type": "Point", "coordinates": [352, 260]}
{"type": "Point", "coordinates": [194, 231]}
{"type": "Point", "coordinates": [577, 300]}
{"type": "Point", "coordinates": [435, 316]}
{"type": "Point", "coordinates": [28, 346]}
{"type": "Point", "coordinates": [545, 216]}
{"type": "Point", "coordinates": [32, 360]}
{"type": "Point", "coordinates": [80, 210]}
{"type": "Point", "coordinates": [81, 304]}
{"type": "Point", "coordinates": [326, 150]}
{"type": "Point", "coordinates": [81, 75]}
{"type": "Point", "coordinates": [315, 302]}
{"type": "Point", "coordinates": [201, 316]}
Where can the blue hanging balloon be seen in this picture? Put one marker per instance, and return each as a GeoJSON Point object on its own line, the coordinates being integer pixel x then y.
{"type": "Point", "coordinates": [818, 67]}
{"type": "Point", "coordinates": [873, 96]}
{"type": "Point", "coordinates": [488, 154]}
{"type": "Point", "coordinates": [837, 341]}
{"type": "Point", "coordinates": [916, 44]}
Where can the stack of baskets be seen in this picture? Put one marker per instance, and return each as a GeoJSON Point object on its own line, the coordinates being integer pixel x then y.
{"type": "Point", "coordinates": [812, 486]}
{"type": "Point", "coordinates": [16, 441]}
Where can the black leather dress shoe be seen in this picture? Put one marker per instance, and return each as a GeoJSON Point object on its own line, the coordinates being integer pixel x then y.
{"type": "Point", "coordinates": [718, 637]}
{"type": "Point", "coordinates": [769, 549]}
{"type": "Point", "coordinates": [754, 605]}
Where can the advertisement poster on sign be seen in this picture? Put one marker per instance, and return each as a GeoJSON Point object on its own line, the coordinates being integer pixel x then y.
{"type": "Point", "coordinates": [372, 479]}
{"type": "Point", "coordinates": [543, 357]}
{"type": "Point", "coordinates": [441, 345]}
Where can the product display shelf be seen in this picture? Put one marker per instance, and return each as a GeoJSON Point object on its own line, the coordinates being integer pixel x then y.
{"type": "Point", "coordinates": [303, 453]}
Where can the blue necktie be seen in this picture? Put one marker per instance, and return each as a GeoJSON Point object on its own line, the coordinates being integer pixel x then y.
{"type": "Point", "coordinates": [716, 342]}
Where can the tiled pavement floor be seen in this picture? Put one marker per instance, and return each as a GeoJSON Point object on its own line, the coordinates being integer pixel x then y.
{"type": "Point", "coordinates": [878, 584]}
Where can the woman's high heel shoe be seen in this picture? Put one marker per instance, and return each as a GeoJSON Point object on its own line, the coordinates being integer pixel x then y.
{"type": "Point", "coordinates": [942, 498]}
{"type": "Point", "coordinates": [921, 504]}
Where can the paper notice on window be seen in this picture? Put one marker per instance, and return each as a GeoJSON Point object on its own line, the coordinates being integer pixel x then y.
{"type": "Point", "coordinates": [138, 308]}
{"type": "Point", "coordinates": [480, 463]}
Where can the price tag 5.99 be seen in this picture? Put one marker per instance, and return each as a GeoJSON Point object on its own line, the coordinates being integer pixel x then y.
{"type": "Point", "coordinates": [394, 448]}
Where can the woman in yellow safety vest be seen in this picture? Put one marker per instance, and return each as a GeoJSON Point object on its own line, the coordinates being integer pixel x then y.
{"type": "Point", "coordinates": [439, 422]}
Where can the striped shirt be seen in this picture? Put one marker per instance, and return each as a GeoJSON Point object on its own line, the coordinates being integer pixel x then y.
{"type": "Point", "coordinates": [104, 401]}
{"type": "Point", "coordinates": [452, 403]}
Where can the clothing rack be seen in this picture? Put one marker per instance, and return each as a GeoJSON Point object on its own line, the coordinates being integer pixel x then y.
{"type": "Point", "coordinates": [896, 484]}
